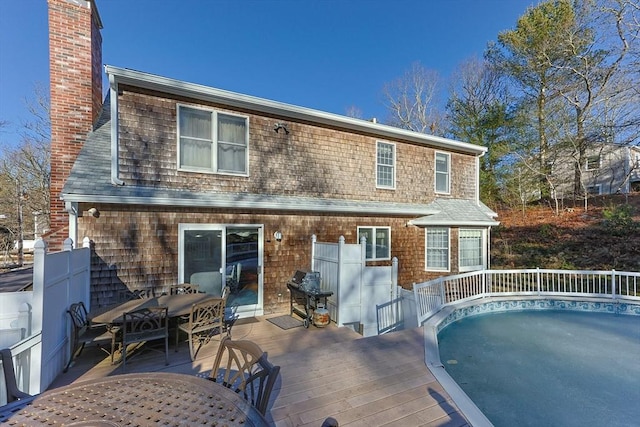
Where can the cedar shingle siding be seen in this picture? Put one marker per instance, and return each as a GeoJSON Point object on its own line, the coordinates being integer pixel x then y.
{"type": "Point", "coordinates": [138, 246]}
{"type": "Point", "coordinates": [317, 178]}
{"type": "Point", "coordinates": [310, 161]}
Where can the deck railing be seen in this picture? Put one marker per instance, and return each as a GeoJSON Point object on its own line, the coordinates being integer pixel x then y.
{"type": "Point", "coordinates": [432, 295]}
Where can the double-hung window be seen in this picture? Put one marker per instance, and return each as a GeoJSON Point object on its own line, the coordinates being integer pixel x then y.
{"type": "Point", "coordinates": [210, 141]}
{"type": "Point", "coordinates": [378, 244]}
{"type": "Point", "coordinates": [385, 165]}
{"type": "Point", "coordinates": [443, 166]}
{"type": "Point", "coordinates": [471, 248]}
{"type": "Point", "coordinates": [437, 249]}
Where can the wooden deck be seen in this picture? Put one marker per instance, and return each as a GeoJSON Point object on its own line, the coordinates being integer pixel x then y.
{"type": "Point", "coordinates": [325, 372]}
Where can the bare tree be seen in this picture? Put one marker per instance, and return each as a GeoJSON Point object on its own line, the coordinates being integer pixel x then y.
{"type": "Point", "coordinates": [413, 101]}
{"type": "Point", "coordinates": [354, 112]}
{"type": "Point", "coordinates": [25, 175]}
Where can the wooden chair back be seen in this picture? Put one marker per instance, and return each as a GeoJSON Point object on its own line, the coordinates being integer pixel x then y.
{"type": "Point", "coordinates": [243, 367]}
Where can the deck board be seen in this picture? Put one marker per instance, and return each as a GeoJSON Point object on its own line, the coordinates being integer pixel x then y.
{"type": "Point", "coordinates": [325, 372]}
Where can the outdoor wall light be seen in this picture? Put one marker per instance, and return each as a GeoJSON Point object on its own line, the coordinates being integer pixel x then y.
{"type": "Point", "coordinates": [278, 236]}
{"type": "Point", "coordinates": [279, 126]}
{"type": "Point", "coordinates": [94, 212]}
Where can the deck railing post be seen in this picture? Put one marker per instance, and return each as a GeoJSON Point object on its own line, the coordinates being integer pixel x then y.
{"type": "Point", "coordinates": [613, 284]}
{"type": "Point", "coordinates": [484, 283]}
{"type": "Point", "coordinates": [538, 281]}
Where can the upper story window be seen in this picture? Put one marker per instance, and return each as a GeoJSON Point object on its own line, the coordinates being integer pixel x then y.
{"type": "Point", "coordinates": [443, 162]}
{"type": "Point", "coordinates": [437, 249]}
{"type": "Point", "coordinates": [593, 163]}
{"type": "Point", "coordinates": [209, 141]}
{"type": "Point", "coordinates": [471, 246]}
{"type": "Point", "coordinates": [386, 165]}
{"type": "Point", "coordinates": [378, 242]}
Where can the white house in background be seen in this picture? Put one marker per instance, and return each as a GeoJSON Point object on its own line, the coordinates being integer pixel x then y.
{"type": "Point", "coordinates": [606, 169]}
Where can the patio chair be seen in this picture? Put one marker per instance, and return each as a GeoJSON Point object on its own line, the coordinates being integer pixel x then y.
{"type": "Point", "coordinates": [84, 332]}
{"type": "Point", "coordinates": [184, 288]}
{"type": "Point", "coordinates": [13, 392]}
{"type": "Point", "coordinates": [205, 319]}
{"type": "Point", "coordinates": [243, 367]}
{"type": "Point", "coordinates": [143, 325]}
{"type": "Point", "coordinates": [230, 315]}
{"type": "Point", "coordinates": [128, 295]}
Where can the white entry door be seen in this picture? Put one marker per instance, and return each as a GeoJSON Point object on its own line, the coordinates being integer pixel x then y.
{"type": "Point", "coordinates": [217, 255]}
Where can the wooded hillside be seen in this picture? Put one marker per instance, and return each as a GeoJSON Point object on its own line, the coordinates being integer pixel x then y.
{"type": "Point", "coordinates": [605, 237]}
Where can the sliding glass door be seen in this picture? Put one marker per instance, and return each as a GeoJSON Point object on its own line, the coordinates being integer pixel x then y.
{"type": "Point", "coordinates": [217, 255]}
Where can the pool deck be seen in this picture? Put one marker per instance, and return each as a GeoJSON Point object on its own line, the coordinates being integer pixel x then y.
{"type": "Point", "coordinates": [325, 372]}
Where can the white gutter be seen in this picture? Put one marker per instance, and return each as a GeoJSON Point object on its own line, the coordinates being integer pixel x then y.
{"type": "Point", "coordinates": [113, 94]}
{"type": "Point", "coordinates": [206, 93]}
{"type": "Point", "coordinates": [443, 222]}
{"type": "Point", "coordinates": [308, 205]}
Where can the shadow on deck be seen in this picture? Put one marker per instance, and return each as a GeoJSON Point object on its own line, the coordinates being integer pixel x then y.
{"type": "Point", "coordinates": [325, 372]}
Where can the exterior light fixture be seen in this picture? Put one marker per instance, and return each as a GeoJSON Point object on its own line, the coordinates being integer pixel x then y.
{"type": "Point", "coordinates": [94, 212]}
{"type": "Point", "coordinates": [278, 236]}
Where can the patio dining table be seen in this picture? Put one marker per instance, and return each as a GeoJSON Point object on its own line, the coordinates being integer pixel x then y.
{"type": "Point", "coordinates": [155, 398]}
{"type": "Point", "coordinates": [177, 305]}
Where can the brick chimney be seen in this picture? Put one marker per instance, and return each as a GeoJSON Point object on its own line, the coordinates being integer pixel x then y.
{"type": "Point", "coordinates": [75, 67]}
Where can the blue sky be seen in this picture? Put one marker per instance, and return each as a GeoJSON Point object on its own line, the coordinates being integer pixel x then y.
{"type": "Point", "coordinates": [328, 55]}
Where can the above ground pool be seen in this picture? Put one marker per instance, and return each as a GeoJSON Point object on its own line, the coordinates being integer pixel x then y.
{"type": "Point", "coordinates": [547, 367]}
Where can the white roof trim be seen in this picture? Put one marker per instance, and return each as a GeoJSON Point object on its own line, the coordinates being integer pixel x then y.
{"type": "Point", "coordinates": [207, 93]}
{"type": "Point", "coordinates": [271, 203]}
{"type": "Point", "coordinates": [425, 222]}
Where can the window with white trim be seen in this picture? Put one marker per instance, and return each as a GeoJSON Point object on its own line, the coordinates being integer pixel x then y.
{"type": "Point", "coordinates": [378, 242]}
{"type": "Point", "coordinates": [471, 249]}
{"type": "Point", "coordinates": [592, 163]}
{"type": "Point", "coordinates": [442, 171]}
{"type": "Point", "coordinates": [210, 141]}
{"type": "Point", "coordinates": [385, 165]}
{"type": "Point", "coordinates": [437, 249]}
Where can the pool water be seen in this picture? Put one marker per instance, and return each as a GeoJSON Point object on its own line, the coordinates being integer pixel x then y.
{"type": "Point", "coordinates": [547, 368]}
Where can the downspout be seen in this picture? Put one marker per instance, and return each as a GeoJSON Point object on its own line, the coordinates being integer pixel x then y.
{"type": "Point", "coordinates": [113, 94]}
{"type": "Point", "coordinates": [478, 178]}
{"type": "Point", "coordinates": [488, 243]}
{"type": "Point", "coordinates": [72, 210]}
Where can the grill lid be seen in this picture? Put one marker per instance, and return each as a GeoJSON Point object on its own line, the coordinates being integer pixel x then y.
{"type": "Point", "coordinates": [306, 279]}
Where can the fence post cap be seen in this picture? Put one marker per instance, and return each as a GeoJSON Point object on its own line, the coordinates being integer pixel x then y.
{"type": "Point", "coordinates": [39, 244]}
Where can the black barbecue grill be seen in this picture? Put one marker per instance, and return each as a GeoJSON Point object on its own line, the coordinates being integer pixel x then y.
{"type": "Point", "coordinates": [306, 294]}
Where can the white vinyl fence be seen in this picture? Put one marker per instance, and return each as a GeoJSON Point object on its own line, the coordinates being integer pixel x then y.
{"type": "Point", "coordinates": [39, 340]}
{"type": "Point", "coordinates": [432, 295]}
{"type": "Point", "coordinates": [357, 288]}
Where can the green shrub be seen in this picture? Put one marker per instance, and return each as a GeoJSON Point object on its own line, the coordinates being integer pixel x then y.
{"type": "Point", "coordinates": [618, 219]}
